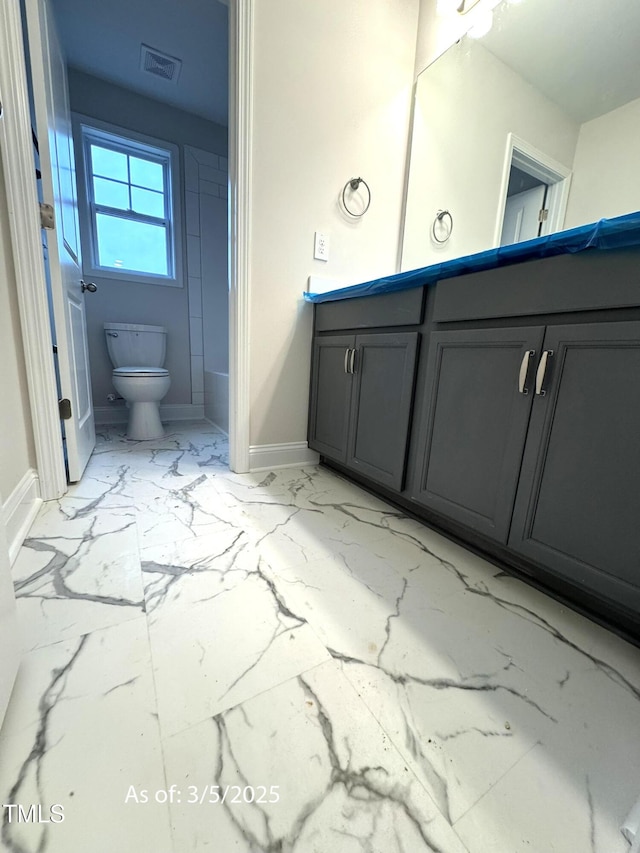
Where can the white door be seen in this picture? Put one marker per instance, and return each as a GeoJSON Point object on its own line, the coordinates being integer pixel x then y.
{"type": "Point", "coordinates": [9, 634]}
{"type": "Point", "coordinates": [53, 128]}
{"type": "Point", "coordinates": [521, 216]}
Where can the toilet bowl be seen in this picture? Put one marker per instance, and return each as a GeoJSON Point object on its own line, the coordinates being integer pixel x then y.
{"type": "Point", "coordinates": [137, 353]}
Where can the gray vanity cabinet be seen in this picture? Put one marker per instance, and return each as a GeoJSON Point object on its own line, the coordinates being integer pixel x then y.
{"type": "Point", "coordinates": [479, 391]}
{"type": "Point", "coordinates": [361, 401]}
{"type": "Point", "coordinates": [577, 510]}
{"type": "Point", "coordinates": [330, 395]}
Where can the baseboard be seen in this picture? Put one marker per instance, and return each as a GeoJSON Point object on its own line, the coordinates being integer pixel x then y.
{"type": "Point", "coordinates": [20, 510]}
{"type": "Point", "coordinates": [217, 426]}
{"type": "Point", "coordinates": [296, 454]}
{"type": "Point", "coordinates": [109, 415]}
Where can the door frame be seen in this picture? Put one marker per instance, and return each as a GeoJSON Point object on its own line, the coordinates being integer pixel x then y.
{"type": "Point", "coordinates": [18, 164]}
{"type": "Point", "coordinates": [26, 242]}
{"type": "Point", "coordinates": [551, 172]}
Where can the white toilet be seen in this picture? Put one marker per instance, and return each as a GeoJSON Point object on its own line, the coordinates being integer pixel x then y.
{"type": "Point", "coordinates": [137, 354]}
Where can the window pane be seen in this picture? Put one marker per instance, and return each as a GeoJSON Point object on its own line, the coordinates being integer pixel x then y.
{"type": "Point", "coordinates": [109, 164]}
{"type": "Point", "coordinates": [137, 246]}
{"type": "Point", "coordinates": [147, 202]}
{"type": "Point", "coordinates": [111, 193]}
{"type": "Point", "coordinates": [144, 173]}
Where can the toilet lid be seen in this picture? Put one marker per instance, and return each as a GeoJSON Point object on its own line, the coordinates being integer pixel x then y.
{"type": "Point", "coordinates": [140, 371]}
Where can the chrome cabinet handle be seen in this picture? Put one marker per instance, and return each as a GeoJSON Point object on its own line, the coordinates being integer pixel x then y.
{"type": "Point", "coordinates": [524, 370]}
{"type": "Point", "coordinates": [542, 369]}
{"type": "Point", "coordinates": [346, 360]}
{"type": "Point", "coordinates": [91, 287]}
{"type": "Point", "coordinates": [352, 361]}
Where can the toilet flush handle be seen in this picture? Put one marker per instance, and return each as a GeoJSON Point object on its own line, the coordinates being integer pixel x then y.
{"type": "Point", "coordinates": [91, 287]}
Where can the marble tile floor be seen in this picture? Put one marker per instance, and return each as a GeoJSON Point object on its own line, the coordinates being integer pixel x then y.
{"type": "Point", "coordinates": [281, 663]}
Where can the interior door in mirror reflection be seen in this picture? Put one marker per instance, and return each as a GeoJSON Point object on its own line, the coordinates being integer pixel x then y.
{"type": "Point", "coordinates": [552, 74]}
{"type": "Point", "coordinates": [522, 216]}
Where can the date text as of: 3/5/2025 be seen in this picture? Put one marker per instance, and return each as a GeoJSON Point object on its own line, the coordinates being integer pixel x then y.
{"type": "Point", "coordinates": [206, 795]}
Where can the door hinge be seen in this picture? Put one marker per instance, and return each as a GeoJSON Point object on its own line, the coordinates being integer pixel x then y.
{"type": "Point", "coordinates": [64, 407]}
{"type": "Point", "coordinates": [542, 215]}
{"type": "Point", "coordinates": [47, 216]}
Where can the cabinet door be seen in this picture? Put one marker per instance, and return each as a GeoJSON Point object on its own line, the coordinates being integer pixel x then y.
{"type": "Point", "coordinates": [384, 370]}
{"type": "Point", "coordinates": [578, 504]}
{"type": "Point", "coordinates": [473, 430]}
{"type": "Point", "coordinates": [330, 396]}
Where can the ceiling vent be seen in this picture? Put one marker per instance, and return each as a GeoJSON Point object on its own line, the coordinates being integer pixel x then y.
{"type": "Point", "coordinates": [159, 64]}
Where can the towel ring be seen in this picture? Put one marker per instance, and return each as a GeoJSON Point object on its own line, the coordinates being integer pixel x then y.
{"type": "Point", "coordinates": [353, 184]}
{"type": "Point", "coordinates": [440, 215]}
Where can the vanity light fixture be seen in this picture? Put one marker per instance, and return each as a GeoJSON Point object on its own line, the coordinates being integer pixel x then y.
{"type": "Point", "coordinates": [482, 23]}
{"type": "Point", "coordinates": [466, 6]}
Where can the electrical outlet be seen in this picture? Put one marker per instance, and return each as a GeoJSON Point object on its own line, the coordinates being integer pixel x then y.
{"type": "Point", "coordinates": [321, 247]}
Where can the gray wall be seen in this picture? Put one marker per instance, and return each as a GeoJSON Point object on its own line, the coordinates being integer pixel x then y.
{"type": "Point", "coordinates": [143, 303]}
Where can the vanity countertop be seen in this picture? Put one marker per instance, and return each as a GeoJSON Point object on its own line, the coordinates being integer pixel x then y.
{"type": "Point", "coordinates": [617, 233]}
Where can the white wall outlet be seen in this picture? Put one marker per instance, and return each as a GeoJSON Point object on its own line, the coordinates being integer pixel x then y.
{"type": "Point", "coordinates": [321, 247]}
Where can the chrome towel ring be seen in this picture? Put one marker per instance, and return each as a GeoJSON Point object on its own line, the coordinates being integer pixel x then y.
{"type": "Point", "coordinates": [442, 215]}
{"type": "Point", "coordinates": [353, 185]}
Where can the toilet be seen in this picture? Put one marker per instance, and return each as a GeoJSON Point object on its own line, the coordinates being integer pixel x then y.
{"type": "Point", "coordinates": [137, 354]}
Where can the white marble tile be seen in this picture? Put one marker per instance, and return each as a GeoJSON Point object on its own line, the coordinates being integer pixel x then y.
{"type": "Point", "coordinates": [543, 804]}
{"type": "Point", "coordinates": [451, 681]}
{"type": "Point", "coordinates": [340, 784]}
{"type": "Point", "coordinates": [80, 729]}
{"type": "Point", "coordinates": [466, 686]}
{"type": "Point", "coordinates": [79, 570]}
{"type": "Point", "coordinates": [219, 628]}
{"type": "Point", "coordinates": [348, 599]}
{"type": "Point", "coordinates": [168, 515]}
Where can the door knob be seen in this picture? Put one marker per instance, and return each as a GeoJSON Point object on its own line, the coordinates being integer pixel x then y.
{"type": "Point", "coordinates": [91, 287]}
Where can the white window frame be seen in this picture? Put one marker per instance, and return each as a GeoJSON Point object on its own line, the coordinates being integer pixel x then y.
{"type": "Point", "coordinates": [87, 130]}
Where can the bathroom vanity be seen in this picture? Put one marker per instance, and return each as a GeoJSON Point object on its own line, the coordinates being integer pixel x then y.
{"type": "Point", "coordinates": [501, 406]}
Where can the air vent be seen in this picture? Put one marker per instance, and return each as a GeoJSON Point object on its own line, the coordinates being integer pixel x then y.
{"type": "Point", "coordinates": [159, 64]}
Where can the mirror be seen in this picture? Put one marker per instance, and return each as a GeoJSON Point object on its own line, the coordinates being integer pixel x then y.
{"type": "Point", "coordinates": [530, 130]}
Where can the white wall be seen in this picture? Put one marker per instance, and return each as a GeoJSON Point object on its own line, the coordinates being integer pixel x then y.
{"type": "Point", "coordinates": [606, 180]}
{"type": "Point", "coordinates": [332, 88]}
{"type": "Point", "coordinates": [459, 147]}
{"type": "Point", "coordinates": [440, 26]}
{"type": "Point", "coordinates": [17, 452]}
{"type": "Point", "coordinates": [143, 303]}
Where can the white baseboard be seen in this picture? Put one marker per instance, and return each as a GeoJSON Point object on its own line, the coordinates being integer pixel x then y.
{"type": "Point", "coordinates": [20, 510]}
{"type": "Point", "coordinates": [107, 415]}
{"type": "Point", "coordinates": [217, 426]}
{"type": "Point", "coordinates": [296, 454]}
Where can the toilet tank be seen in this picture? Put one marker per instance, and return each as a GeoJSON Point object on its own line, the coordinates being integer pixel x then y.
{"type": "Point", "coordinates": [132, 345]}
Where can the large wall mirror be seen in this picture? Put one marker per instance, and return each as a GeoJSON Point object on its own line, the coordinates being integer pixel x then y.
{"type": "Point", "coordinates": [532, 129]}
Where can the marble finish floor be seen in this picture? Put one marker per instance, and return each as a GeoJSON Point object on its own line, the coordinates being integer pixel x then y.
{"type": "Point", "coordinates": [281, 663]}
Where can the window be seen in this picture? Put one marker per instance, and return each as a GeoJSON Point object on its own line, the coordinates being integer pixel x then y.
{"type": "Point", "coordinates": [130, 217]}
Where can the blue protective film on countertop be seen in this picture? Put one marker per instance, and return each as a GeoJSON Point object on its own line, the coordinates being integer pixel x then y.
{"type": "Point", "coordinates": [618, 233]}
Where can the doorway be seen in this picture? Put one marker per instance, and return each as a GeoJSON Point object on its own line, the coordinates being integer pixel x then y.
{"type": "Point", "coordinates": [533, 195]}
{"type": "Point", "coordinates": [38, 349]}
